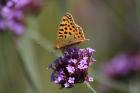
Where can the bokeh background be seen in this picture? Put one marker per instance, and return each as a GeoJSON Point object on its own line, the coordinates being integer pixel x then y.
{"type": "Point", "coordinates": [113, 27]}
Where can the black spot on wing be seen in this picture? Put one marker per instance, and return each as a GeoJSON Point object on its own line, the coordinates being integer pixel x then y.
{"type": "Point", "coordinates": [61, 29]}
{"type": "Point", "coordinates": [65, 32]}
{"type": "Point", "coordinates": [70, 33]}
{"type": "Point", "coordinates": [60, 32]}
{"type": "Point", "coordinates": [61, 24]}
{"type": "Point", "coordinates": [65, 28]}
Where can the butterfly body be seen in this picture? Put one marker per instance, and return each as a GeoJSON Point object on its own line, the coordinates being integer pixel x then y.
{"type": "Point", "coordinates": [69, 33]}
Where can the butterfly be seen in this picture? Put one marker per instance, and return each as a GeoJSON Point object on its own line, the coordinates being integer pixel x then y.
{"type": "Point", "coordinates": [69, 33]}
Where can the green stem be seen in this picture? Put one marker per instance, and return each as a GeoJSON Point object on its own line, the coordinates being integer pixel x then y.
{"type": "Point", "coordinates": [89, 86]}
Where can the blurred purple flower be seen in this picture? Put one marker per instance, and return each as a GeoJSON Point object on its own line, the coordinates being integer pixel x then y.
{"type": "Point", "coordinates": [136, 61]}
{"type": "Point", "coordinates": [2, 25]}
{"type": "Point", "coordinates": [28, 5]}
{"type": "Point", "coordinates": [72, 67]}
{"type": "Point", "coordinates": [121, 65]}
{"type": "Point", "coordinates": [12, 19]}
{"type": "Point", "coordinates": [12, 14]}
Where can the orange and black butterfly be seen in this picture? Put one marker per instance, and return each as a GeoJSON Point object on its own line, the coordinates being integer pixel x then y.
{"type": "Point", "coordinates": [69, 33]}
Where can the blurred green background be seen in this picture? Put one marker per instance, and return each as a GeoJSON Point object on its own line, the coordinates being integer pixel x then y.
{"type": "Point", "coordinates": [111, 25]}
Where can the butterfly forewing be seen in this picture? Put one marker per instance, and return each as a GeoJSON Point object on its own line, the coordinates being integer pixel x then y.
{"type": "Point", "coordinates": [69, 33]}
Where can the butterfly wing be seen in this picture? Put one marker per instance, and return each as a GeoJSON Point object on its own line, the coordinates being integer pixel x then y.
{"type": "Point", "coordinates": [80, 33]}
{"type": "Point", "coordinates": [69, 33]}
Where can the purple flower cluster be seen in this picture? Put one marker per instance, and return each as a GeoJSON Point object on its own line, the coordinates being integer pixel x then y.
{"type": "Point", "coordinates": [122, 64]}
{"type": "Point", "coordinates": [72, 67]}
{"type": "Point", "coordinates": [12, 15]}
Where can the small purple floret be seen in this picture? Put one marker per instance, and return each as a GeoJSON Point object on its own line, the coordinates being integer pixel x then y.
{"type": "Point", "coordinates": [70, 69]}
{"type": "Point", "coordinates": [66, 85]}
{"type": "Point", "coordinates": [71, 79]}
